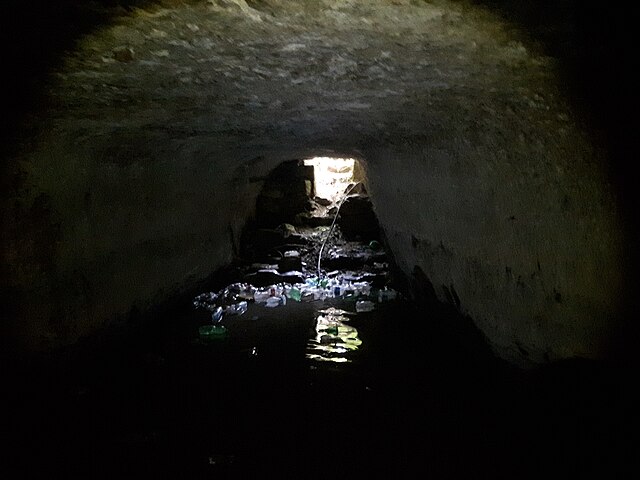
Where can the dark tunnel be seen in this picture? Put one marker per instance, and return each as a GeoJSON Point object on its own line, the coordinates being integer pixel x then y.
{"type": "Point", "coordinates": [474, 310]}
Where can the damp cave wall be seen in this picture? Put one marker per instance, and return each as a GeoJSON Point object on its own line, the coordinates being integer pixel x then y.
{"type": "Point", "coordinates": [531, 265]}
{"type": "Point", "coordinates": [112, 207]}
{"type": "Point", "coordinates": [98, 241]}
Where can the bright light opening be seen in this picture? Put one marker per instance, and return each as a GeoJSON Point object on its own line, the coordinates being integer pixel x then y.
{"type": "Point", "coordinates": [332, 176]}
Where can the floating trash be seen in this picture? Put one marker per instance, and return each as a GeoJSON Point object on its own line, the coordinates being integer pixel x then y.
{"type": "Point", "coordinates": [233, 299]}
{"type": "Point", "coordinates": [276, 301]}
{"type": "Point", "coordinates": [216, 315]}
{"type": "Point", "coordinates": [206, 300]}
{"type": "Point", "coordinates": [208, 332]}
{"type": "Point", "coordinates": [243, 291]}
{"type": "Point", "coordinates": [336, 311]}
{"type": "Point", "coordinates": [365, 306]}
{"type": "Point", "coordinates": [332, 334]}
{"type": "Point", "coordinates": [237, 308]}
{"type": "Point", "coordinates": [294, 294]}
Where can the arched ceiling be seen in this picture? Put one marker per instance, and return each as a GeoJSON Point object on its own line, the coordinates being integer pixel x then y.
{"type": "Point", "coordinates": [304, 74]}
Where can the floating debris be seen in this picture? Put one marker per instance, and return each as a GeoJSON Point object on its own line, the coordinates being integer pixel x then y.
{"type": "Point", "coordinates": [209, 332]}
{"type": "Point", "coordinates": [365, 306]}
{"type": "Point", "coordinates": [335, 311]}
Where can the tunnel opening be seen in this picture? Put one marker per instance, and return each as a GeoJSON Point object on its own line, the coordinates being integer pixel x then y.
{"type": "Point", "coordinates": [331, 178]}
{"type": "Point", "coordinates": [314, 216]}
{"type": "Point", "coordinates": [315, 238]}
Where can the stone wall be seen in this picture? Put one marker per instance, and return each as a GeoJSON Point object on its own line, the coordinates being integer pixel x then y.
{"type": "Point", "coordinates": [533, 257]}
{"type": "Point", "coordinates": [103, 234]}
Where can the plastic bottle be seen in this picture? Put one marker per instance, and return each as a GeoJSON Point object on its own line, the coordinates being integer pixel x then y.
{"type": "Point", "coordinates": [261, 296]}
{"type": "Point", "coordinates": [318, 293]}
{"type": "Point", "coordinates": [362, 288]}
{"type": "Point", "coordinates": [364, 306]}
{"type": "Point", "coordinates": [237, 308]}
{"type": "Point", "coordinates": [216, 316]}
{"type": "Point", "coordinates": [205, 300]}
{"type": "Point", "coordinates": [276, 301]}
{"type": "Point", "coordinates": [332, 330]}
{"type": "Point", "coordinates": [294, 294]}
{"type": "Point", "coordinates": [208, 332]}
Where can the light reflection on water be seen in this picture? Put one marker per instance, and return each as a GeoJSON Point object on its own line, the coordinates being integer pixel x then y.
{"type": "Point", "coordinates": [334, 339]}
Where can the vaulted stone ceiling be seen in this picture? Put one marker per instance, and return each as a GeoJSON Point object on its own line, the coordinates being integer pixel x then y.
{"type": "Point", "coordinates": [161, 125]}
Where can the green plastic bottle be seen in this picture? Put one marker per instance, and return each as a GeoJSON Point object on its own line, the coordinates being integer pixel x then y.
{"type": "Point", "coordinates": [294, 294]}
{"type": "Point", "coordinates": [332, 330]}
{"type": "Point", "coordinates": [208, 332]}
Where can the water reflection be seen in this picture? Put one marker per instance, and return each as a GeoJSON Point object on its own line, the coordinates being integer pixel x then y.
{"type": "Point", "coordinates": [334, 339]}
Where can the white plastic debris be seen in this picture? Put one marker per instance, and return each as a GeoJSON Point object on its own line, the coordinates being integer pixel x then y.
{"type": "Point", "coordinates": [237, 308]}
{"type": "Point", "coordinates": [276, 301]}
{"type": "Point", "coordinates": [364, 306]}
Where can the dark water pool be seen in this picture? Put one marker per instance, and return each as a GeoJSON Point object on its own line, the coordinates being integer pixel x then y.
{"type": "Point", "coordinates": [396, 392]}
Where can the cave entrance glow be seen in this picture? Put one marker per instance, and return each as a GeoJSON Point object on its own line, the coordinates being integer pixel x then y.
{"type": "Point", "coordinates": [332, 176]}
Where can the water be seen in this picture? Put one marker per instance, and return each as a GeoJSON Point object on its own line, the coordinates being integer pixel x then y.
{"type": "Point", "coordinates": [301, 391]}
{"type": "Point", "coordinates": [335, 340]}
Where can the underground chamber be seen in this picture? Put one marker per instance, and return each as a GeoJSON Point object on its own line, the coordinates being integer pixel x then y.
{"type": "Point", "coordinates": [164, 309]}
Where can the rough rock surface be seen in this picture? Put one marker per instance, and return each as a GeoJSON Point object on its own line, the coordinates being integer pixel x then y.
{"type": "Point", "coordinates": [162, 126]}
